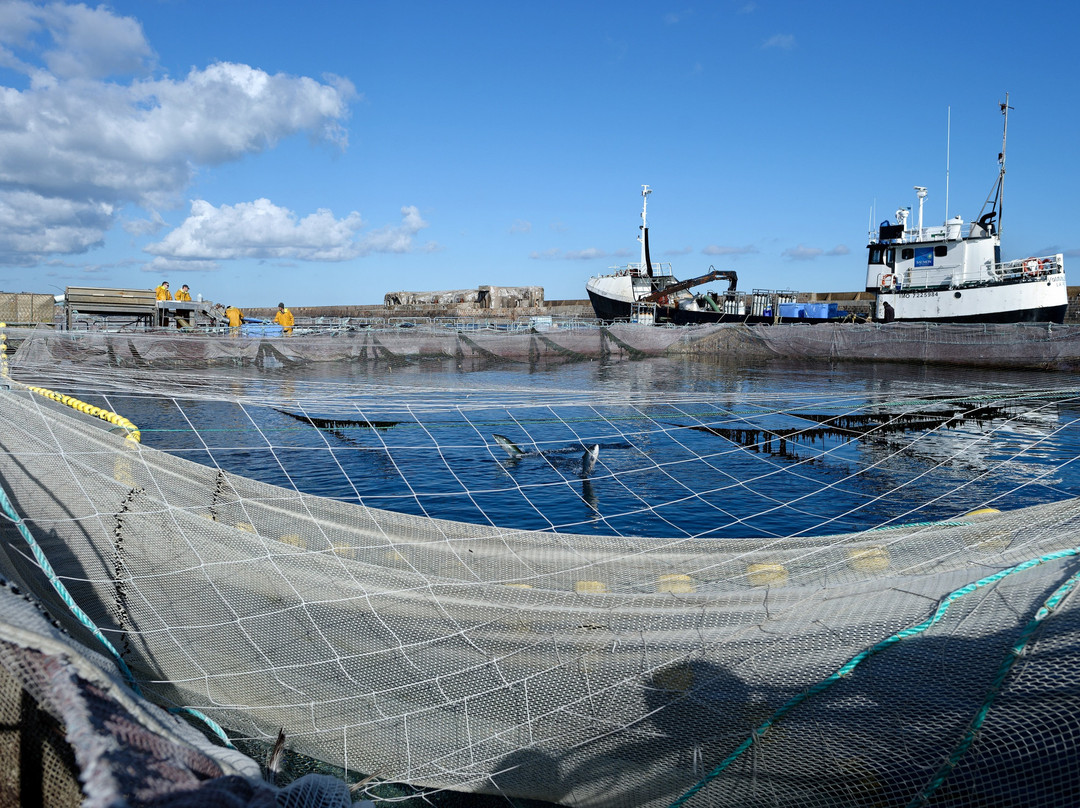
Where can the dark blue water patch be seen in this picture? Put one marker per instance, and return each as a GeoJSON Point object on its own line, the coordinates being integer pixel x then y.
{"type": "Point", "coordinates": [686, 448]}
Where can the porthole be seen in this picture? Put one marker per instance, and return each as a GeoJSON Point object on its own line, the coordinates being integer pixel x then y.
{"type": "Point", "coordinates": [956, 295]}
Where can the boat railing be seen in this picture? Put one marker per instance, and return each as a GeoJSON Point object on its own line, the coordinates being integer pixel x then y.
{"type": "Point", "coordinates": [911, 236]}
{"type": "Point", "coordinates": [659, 269]}
{"type": "Point", "coordinates": [919, 279]}
{"type": "Point", "coordinates": [1025, 269]}
{"type": "Point", "coordinates": [1029, 268]}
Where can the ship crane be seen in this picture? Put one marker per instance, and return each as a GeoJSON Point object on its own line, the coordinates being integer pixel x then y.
{"type": "Point", "coordinates": [715, 274]}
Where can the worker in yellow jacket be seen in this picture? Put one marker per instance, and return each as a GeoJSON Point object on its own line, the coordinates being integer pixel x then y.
{"type": "Point", "coordinates": [162, 293]}
{"type": "Point", "coordinates": [183, 316]}
{"type": "Point", "coordinates": [284, 318]}
{"type": "Point", "coordinates": [234, 316]}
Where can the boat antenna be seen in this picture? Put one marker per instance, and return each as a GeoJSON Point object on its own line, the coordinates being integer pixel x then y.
{"type": "Point", "coordinates": [996, 197]}
{"type": "Point", "coordinates": [948, 146]}
{"type": "Point", "coordinates": [646, 261]}
{"type": "Point", "coordinates": [1001, 161]}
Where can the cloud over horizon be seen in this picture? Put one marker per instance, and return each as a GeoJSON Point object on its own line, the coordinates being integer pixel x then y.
{"type": "Point", "coordinates": [261, 229]}
{"type": "Point", "coordinates": [734, 252]}
{"type": "Point", "coordinates": [76, 148]}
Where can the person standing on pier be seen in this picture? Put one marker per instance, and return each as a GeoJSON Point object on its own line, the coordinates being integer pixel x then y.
{"type": "Point", "coordinates": [235, 318]}
{"type": "Point", "coordinates": [284, 318]}
{"type": "Point", "coordinates": [183, 316]}
{"type": "Point", "coordinates": [162, 293]}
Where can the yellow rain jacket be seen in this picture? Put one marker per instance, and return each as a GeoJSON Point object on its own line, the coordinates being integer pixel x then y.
{"type": "Point", "coordinates": [163, 293]}
{"type": "Point", "coordinates": [285, 319]}
{"type": "Point", "coordinates": [236, 317]}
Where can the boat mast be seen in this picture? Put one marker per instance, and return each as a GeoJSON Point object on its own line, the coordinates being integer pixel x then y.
{"type": "Point", "coordinates": [646, 262]}
{"type": "Point", "coordinates": [1001, 159]}
{"type": "Point", "coordinates": [997, 193]}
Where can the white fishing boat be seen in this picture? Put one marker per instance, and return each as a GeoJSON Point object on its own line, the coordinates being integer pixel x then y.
{"type": "Point", "coordinates": [647, 292]}
{"type": "Point", "coordinates": [944, 274]}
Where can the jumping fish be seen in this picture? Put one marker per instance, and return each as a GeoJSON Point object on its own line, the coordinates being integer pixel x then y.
{"type": "Point", "coordinates": [515, 452]}
{"type": "Point", "coordinates": [509, 446]}
{"type": "Point", "coordinates": [588, 463]}
{"type": "Point", "coordinates": [588, 459]}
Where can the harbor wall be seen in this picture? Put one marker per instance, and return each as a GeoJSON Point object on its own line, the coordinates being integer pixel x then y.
{"type": "Point", "coordinates": [468, 310]}
{"type": "Point", "coordinates": [29, 308]}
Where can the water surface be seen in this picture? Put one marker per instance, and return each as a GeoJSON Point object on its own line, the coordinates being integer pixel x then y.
{"type": "Point", "coordinates": [685, 447]}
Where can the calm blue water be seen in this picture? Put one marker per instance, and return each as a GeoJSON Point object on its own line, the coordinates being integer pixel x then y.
{"type": "Point", "coordinates": [686, 447]}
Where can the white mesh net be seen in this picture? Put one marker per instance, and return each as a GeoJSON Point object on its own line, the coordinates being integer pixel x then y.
{"type": "Point", "coordinates": [624, 583]}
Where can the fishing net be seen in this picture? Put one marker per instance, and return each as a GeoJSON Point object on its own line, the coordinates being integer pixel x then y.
{"type": "Point", "coordinates": [553, 567]}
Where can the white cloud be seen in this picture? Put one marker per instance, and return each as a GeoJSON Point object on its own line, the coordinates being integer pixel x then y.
{"type": "Point", "coordinates": [587, 254]}
{"type": "Point", "coordinates": [716, 249]}
{"type": "Point", "coordinates": [839, 249]}
{"type": "Point", "coordinates": [396, 238]}
{"type": "Point", "coordinates": [144, 227]}
{"type": "Point", "coordinates": [32, 225]}
{"type": "Point", "coordinates": [163, 266]}
{"type": "Point", "coordinates": [73, 142]}
{"type": "Point", "coordinates": [261, 229]}
{"type": "Point", "coordinates": [802, 253]}
{"type": "Point", "coordinates": [781, 41]}
{"type": "Point", "coordinates": [93, 43]}
{"type": "Point", "coordinates": [521, 226]}
{"type": "Point", "coordinates": [550, 254]}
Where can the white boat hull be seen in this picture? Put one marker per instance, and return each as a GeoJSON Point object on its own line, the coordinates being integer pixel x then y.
{"type": "Point", "coordinates": [1042, 300]}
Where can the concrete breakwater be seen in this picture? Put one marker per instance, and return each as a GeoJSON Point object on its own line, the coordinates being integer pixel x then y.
{"type": "Point", "coordinates": [859, 304]}
{"type": "Point", "coordinates": [26, 308]}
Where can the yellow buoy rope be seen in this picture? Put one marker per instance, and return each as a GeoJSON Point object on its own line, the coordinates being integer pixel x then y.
{"type": "Point", "coordinates": [133, 433]}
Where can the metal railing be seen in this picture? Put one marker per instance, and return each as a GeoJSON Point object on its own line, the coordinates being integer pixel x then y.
{"type": "Point", "coordinates": [1024, 269]}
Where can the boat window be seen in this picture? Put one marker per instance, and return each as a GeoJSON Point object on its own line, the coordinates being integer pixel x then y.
{"type": "Point", "coordinates": [877, 255]}
{"type": "Point", "coordinates": [941, 250]}
{"type": "Point", "coordinates": [890, 256]}
{"type": "Point", "coordinates": [907, 254]}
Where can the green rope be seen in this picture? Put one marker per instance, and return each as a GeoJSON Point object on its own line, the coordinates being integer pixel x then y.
{"type": "Point", "coordinates": [214, 726]}
{"type": "Point", "coordinates": [1014, 654]}
{"type": "Point", "coordinates": [861, 657]}
{"type": "Point", "coordinates": [82, 616]}
{"type": "Point", "coordinates": [62, 590]}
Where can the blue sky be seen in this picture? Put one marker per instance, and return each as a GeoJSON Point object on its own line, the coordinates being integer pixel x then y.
{"type": "Point", "coordinates": [324, 153]}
